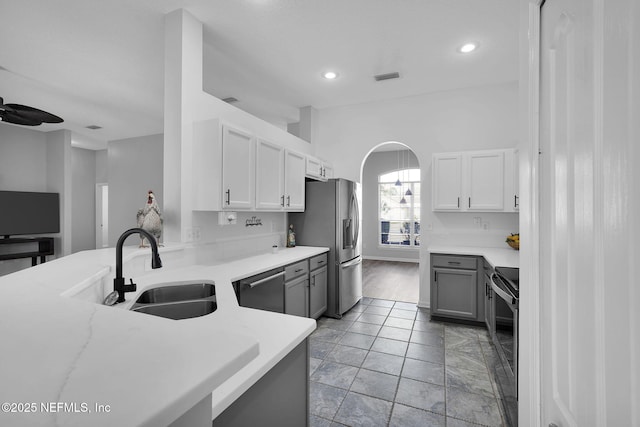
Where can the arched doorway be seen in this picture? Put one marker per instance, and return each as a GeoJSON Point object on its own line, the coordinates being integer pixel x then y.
{"type": "Point", "coordinates": [390, 179]}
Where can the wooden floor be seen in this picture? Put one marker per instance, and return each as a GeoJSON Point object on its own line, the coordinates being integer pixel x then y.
{"type": "Point", "coordinates": [391, 280]}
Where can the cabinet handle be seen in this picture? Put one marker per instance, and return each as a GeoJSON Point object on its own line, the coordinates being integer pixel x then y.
{"type": "Point", "coordinates": [435, 276]}
{"type": "Point", "coordinates": [228, 196]}
{"type": "Point", "coordinates": [299, 270]}
{"type": "Point", "coordinates": [458, 202]}
{"type": "Point", "coordinates": [282, 200]}
{"type": "Point", "coordinates": [321, 262]}
{"type": "Point", "coordinates": [469, 201]}
{"type": "Point", "coordinates": [453, 262]}
{"type": "Point", "coordinates": [515, 200]}
{"type": "Point", "coordinates": [288, 200]}
{"type": "Point", "coordinates": [313, 281]}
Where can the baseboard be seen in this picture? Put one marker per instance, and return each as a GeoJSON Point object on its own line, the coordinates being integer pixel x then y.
{"type": "Point", "coordinates": [384, 258]}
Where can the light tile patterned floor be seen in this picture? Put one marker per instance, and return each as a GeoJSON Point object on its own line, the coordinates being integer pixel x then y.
{"type": "Point", "coordinates": [385, 363]}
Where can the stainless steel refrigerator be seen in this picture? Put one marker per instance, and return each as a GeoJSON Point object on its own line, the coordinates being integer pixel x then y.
{"type": "Point", "coordinates": [332, 219]}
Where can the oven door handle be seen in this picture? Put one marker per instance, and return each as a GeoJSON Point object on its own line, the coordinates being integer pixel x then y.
{"type": "Point", "coordinates": [509, 299]}
{"type": "Point", "coordinates": [261, 281]}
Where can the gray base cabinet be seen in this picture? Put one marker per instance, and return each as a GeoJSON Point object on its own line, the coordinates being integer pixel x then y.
{"type": "Point", "coordinates": [279, 398]}
{"type": "Point", "coordinates": [455, 293]}
{"type": "Point", "coordinates": [455, 288]}
{"type": "Point", "coordinates": [318, 292]}
{"type": "Point", "coordinates": [296, 297]}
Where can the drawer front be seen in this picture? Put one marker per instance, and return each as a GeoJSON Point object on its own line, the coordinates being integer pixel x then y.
{"type": "Point", "coordinates": [296, 270]}
{"type": "Point", "coordinates": [317, 262]}
{"type": "Point", "coordinates": [454, 261]}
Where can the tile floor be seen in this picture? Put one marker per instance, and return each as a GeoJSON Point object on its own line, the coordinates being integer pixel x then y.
{"type": "Point", "coordinates": [386, 364]}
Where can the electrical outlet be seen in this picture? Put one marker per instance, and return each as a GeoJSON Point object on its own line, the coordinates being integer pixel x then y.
{"type": "Point", "coordinates": [196, 234]}
{"type": "Point", "coordinates": [188, 235]}
{"type": "Point", "coordinates": [477, 220]}
{"type": "Point", "coordinates": [485, 226]}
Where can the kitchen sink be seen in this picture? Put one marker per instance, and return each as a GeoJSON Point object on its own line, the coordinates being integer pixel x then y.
{"type": "Point", "coordinates": [176, 293]}
{"type": "Point", "coordinates": [179, 300]}
{"type": "Point", "coordinates": [179, 310]}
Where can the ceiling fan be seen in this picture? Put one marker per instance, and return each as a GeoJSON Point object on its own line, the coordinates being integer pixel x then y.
{"type": "Point", "coordinates": [25, 115]}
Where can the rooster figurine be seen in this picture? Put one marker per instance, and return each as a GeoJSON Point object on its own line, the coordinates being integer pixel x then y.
{"type": "Point", "coordinates": [150, 219]}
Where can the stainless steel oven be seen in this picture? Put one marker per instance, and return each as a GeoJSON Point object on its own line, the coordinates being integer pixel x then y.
{"type": "Point", "coordinates": [505, 301]}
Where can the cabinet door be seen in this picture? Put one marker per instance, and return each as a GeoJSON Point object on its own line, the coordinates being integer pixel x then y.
{"type": "Point", "coordinates": [270, 176]}
{"type": "Point", "coordinates": [455, 293]}
{"type": "Point", "coordinates": [238, 169]}
{"type": "Point", "coordinates": [327, 171]}
{"type": "Point", "coordinates": [313, 168]}
{"type": "Point", "coordinates": [447, 182]}
{"type": "Point", "coordinates": [318, 292]}
{"type": "Point", "coordinates": [294, 166]}
{"type": "Point", "coordinates": [486, 181]}
{"type": "Point", "coordinates": [296, 297]}
{"type": "Point", "coordinates": [488, 307]}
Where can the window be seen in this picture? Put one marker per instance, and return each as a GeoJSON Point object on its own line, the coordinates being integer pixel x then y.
{"type": "Point", "coordinates": [399, 211]}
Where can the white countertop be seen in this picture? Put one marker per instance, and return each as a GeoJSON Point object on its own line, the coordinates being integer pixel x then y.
{"type": "Point", "coordinates": [497, 257]}
{"type": "Point", "coordinates": [149, 370]}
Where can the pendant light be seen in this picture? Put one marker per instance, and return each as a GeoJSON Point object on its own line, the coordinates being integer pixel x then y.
{"type": "Point", "coordinates": [403, 201]}
{"type": "Point", "coordinates": [408, 192]}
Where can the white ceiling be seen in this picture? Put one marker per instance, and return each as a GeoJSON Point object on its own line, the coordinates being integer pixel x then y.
{"type": "Point", "coordinates": [101, 62]}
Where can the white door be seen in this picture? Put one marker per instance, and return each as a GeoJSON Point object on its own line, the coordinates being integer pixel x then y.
{"type": "Point", "coordinates": [270, 176]}
{"type": "Point", "coordinates": [486, 181]}
{"type": "Point", "coordinates": [588, 238]}
{"type": "Point", "coordinates": [294, 164]}
{"type": "Point", "coordinates": [447, 181]}
{"type": "Point", "coordinates": [238, 169]}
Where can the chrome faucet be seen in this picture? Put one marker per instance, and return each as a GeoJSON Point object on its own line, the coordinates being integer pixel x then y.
{"type": "Point", "coordinates": [118, 282]}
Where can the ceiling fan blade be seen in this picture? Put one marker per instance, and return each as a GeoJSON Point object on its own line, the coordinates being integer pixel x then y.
{"type": "Point", "coordinates": [17, 119]}
{"type": "Point", "coordinates": [33, 114]}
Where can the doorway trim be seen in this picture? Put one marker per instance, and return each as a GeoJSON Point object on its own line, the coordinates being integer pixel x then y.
{"type": "Point", "coordinates": [529, 385]}
{"type": "Point", "coordinates": [101, 215]}
{"type": "Point", "coordinates": [423, 282]}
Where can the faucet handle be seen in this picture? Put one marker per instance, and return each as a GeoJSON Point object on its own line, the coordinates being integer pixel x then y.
{"type": "Point", "coordinates": [131, 287]}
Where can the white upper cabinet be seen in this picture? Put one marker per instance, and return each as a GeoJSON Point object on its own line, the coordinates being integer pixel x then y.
{"type": "Point", "coordinates": [514, 197]}
{"type": "Point", "coordinates": [294, 172]}
{"type": "Point", "coordinates": [485, 181]}
{"type": "Point", "coordinates": [235, 170]}
{"type": "Point", "coordinates": [447, 181]}
{"type": "Point", "coordinates": [318, 169]}
{"type": "Point", "coordinates": [269, 176]}
{"type": "Point", "coordinates": [474, 181]}
{"type": "Point", "coordinates": [238, 169]}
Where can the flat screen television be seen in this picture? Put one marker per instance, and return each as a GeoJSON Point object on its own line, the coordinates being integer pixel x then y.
{"type": "Point", "coordinates": [28, 213]}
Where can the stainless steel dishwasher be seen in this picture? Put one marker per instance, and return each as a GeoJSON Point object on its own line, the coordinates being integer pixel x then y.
{"type": "Point", "coordinates": [264, 291]}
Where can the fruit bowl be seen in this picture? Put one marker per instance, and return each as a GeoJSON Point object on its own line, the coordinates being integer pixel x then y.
{"type": "Point", "coordinates": [514, 241]}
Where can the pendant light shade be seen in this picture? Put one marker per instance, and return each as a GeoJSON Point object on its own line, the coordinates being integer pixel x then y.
{"type": "Point", "coordinates": [398, 183]}
{"type": "Point", "coordinates": [408, 193]}
{"type": "Point", "coordinates": [403, 201]}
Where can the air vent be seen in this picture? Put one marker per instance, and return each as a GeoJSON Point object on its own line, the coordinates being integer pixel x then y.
{"type": "Point", "coordinates": [94, 127]}
{"type": "Point", "coordinates": [387, 76]}
{"type": "Point", "coordinates": [230, 100]}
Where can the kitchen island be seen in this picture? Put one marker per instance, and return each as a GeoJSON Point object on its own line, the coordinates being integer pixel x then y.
{"type": "Point", "coordinates": [67, 360]}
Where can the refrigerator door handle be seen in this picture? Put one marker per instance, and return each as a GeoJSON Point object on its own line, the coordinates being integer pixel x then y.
{"type": "Point", "coordinates": [356, 218]}
{"type": "Point", "coordinates": [351, 263]}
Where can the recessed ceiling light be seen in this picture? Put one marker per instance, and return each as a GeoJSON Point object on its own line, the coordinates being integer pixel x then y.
{"type": "Point", "coordinates": [330, 75]}
{"type": "Point", "coordinates": [467, 47]}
